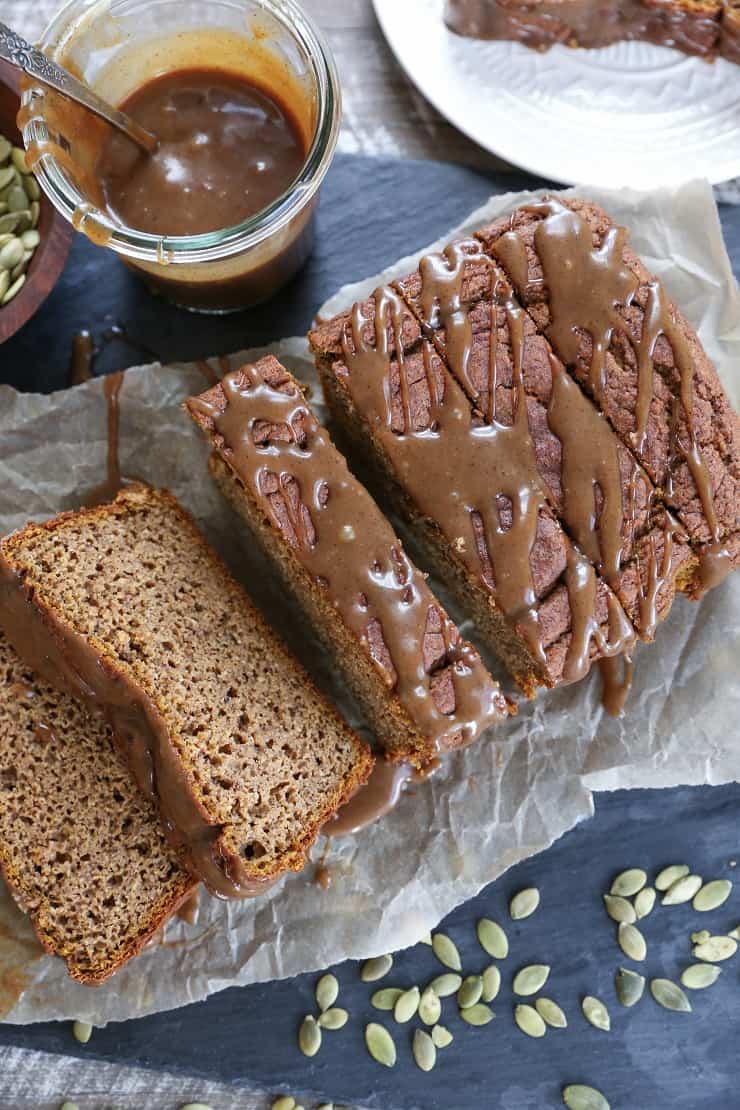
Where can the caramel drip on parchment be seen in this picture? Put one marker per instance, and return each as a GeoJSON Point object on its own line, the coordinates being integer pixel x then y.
{"type": "Point", "coordinates": [616, 680]}
{"type": "Point", "coordinates": [380, 794]}
{"type": "Point", "coordinates": [114, 481]}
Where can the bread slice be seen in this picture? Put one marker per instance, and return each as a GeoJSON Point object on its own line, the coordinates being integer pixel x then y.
{"type": "Point", "coordinates": [128, 607]}
{"type": "Point", "coordinates": [82, 851]}
{"type": "Point", "coordinates": [424, 689]}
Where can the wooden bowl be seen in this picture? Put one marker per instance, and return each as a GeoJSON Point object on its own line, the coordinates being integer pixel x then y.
{"type": "Point", "coordinates": [56, 234]}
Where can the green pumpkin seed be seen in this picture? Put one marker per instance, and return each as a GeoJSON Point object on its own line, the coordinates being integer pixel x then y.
{"type": "Point", "coordinates": [630, 986]}
{"type": "Point", "coordinates": [424, 1050]}
{"type": "Point", "coordinates": [19, 160]}
{"type": "Point", "coordinates": [446, 951]}
{"type": "Point", "coordinates": [375, 969]}
{"type": "Point", "coordinates": [407, 1005]}
{"type": "Point", "coordinates": [31, 185]}
{"type": "Point", "coordinates": [326, 1106]}
{"type": "Point", "coordinates": [670, 996]}
{"type": "Point", "coordinates": [711, 896]}
{"type": "Point", "coordinates": [82, 1031]}
{"type": "Point", "coordinates": [3, 207]}
{"type": "Point", "coordinates": [285, 1102]}
{"type": "Point", "coordinates": [334, 1018]}
{"type": "Point", "coordinates": [470, 991]}
{"type": "Point", "coordinates": [701, 937]}
{"type": "Point", "coordinates": [7, 176]}
{"type": "Point", "coordinates": [529, 1021]}
{"type": "Point", "coordinates": [578, 1096]}
{"type": "Point", "coordinates": [16, 199]}
{"type": "Point", "coordinates": [309, 1036]}
{"type": "Point", "coordinates": [5, 238]}
{"type": "Point", "coordinates": [10, 222]}
{"type": "Point", "coordinates": [15, 288]}
{"type": "Point", "coordinates": [645, 901]}
{"type": "Point", "coordinates": [426, 939]}
{"type": "Point", "coordinates": [386, 998]}
{"type": "Point", "coordinates": [734, 933]}
{"type": "Point", "coordinates": [683, 890]}
{"type": "Point", "coordinates": [21, 268]}
{"type": "Point", "coordinates": [35, 209]}
{"type": "Point", "coordinates": [380, 1044]}
{"type": "Point", "coordinates": [30, 240]}
{"type": "Point", "coordinates": [628, 882]}
{"type": "Point", "coordinates": [619, 909]}
{"type": "Point", "coordinates": [596, 1013]}
{"type": "Point", "coordinates": [70, 1106]}
{"type": "Point", "coordinates": [430, 1007]}
{"type": "Point", "coordinates": [4, 283]}
{"type": "Point", "coordinates": [531, 979]}
{"type": "Point", "coordinates": [200, 1106]}
{"type": "Point", "coordinates": [6, 149]}
{"type": "Point", "coordinates": [670, 875]}
{"type": "Point", "coordinates": [524, 903]}
{"type": "Point", "coordinates": [11, 254]}
{"type": "Point", "coordinates": [632, 942]}
{"type": "Point", "coordinates": [699, 976]}
{"type": "Point", "coordinates": [551, 1013]}
{"type": "Point", "coordinates": [479, 1014]}
{"type": "Point", "coordinates": [446, 985]}
{"type": "Point", "coordinates": [442, 1036]}
{"type": "Point", "coordinates": [327, 992]}
{"type": "Point", "coordinates": [492, 939]}
{"type": "Point", "coordinates": [716, 949]}
{"type": "Point", "coordinates": [491, 983]}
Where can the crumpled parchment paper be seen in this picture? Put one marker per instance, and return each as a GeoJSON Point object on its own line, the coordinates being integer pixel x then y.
{"type": "Point", "coordinates": [507, 797]}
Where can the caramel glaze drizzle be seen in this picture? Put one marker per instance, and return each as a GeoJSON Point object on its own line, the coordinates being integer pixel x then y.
{"type": "Point", "coordinates": [278, 450]}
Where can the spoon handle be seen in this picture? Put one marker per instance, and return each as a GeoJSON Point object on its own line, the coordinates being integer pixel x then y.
{"type": "Point", "coordinates": [15, 49]}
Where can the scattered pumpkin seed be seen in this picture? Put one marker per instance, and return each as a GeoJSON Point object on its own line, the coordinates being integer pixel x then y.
{"type": "Point", "coordinates": [632, 942]}
{"type": "Point", "coordinates": [645, 901]}
{"type": "Point", "coordinates": [716, 949]}
{"type": "Point", "coordinates": [551, 1013]}
{"type": "Point", "coordinates": [531, 979]}
{"type": "Point", "coordinates": [701, 937]}
{"type": "Point", "coordinates": [529, 1021]}
{"type": "Point", "coordinates": [326, 1106]}
{"type": "Point", "coordinates": [309, 1036]}
{"type": "Point", "coordinates": [327, 992]}
{"type": "Point", "coordinates": [284, 1102]}
{"type": "Point", "coordinates": [670, 996]}
{"type": "Point", "coordinates": [619, 909]}
{"type": "Point", "coordinates": [712, 895]}
{"type": "Point", "coordinates": [376, 968]}
{"type": "Point", "coordinates": [480, 1014]}
{"type": "Point", "coordinates": [669, 875]}
{"type": "Point", "coordinates": [699, 976]}
{"type": "Point", "coordinates": [424, 1050]}
{"type": "Point", "coordinates": [406, 1005]}
{"type": "Point", "coordinates": [491, 983]}
{"type": "Point", "coordinates": [70, 1106]}
{"type": "Point", "coordinates": [492, 939]}
{"type": "Point", "coordinates": [578, 1096]}
{"type": "Point", "coordinates": [735, 933]}
{"type": "Point", "coordinates": [442, 1036]}
{"type": "Point", "coordinates": [386, 998]}
{"type": "Point", "coordinates": [334, 1018]}
{"type": "Point", "coordinates": [199, 1106]}
{"type": "Point", "coordinates": [380, 1044]}
{"type": "Point", "coordinates": [596, 1013]}
{"type": "Point", "coordinates": [82, 1031]}
{"type": "Point", "coordinates": [628, 882]}
{"type": "Point", "coordinates": [446, 951]}
{"type": "Point", "coordinates": [426, 939]}
{"type": "Point", "coordinates": [470, 991]}
{"type": "Point", "coordinates": [630, 986]}
{"type": "Point", "coordinates": [446, 985]}
{"type": "Point", "coordinates": [430, 1007]}
{"type": "Point", "coordinates": [683, 890]}
{"type": "Point", "coordinates": [524, 903]}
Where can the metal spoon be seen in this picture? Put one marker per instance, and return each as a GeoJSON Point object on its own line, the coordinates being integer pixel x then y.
{"type": "Point", "coordinates": [20, 53]}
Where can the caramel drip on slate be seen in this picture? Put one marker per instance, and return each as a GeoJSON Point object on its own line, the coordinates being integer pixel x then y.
{"type": "Point", "coordinates": [82, 358]}
{"type": "Point", "coordinates": [277, 448]}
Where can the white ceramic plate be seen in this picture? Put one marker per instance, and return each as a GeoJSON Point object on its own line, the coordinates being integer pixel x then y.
{"type": "Point", "coordinates": [631, 114]}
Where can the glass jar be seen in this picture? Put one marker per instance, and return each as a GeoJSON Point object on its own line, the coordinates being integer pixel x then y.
{"type": "Point", "coordinates": [117, 46]}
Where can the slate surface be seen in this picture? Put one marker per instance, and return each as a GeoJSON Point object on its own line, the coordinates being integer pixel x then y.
{"type": "Point", "coordinates": [372, 212]}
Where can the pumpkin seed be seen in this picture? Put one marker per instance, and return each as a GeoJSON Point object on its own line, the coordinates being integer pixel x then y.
{"type": "Point", "coordinates": [491, 983]}
{"type": "Point", "coordinates": [334, 1018]}
{"type": "Point", "coordinates": [670, 875]}
{"type": "Point", "coordinates": [430, 1007]}
{"type": "Point", "coordinates": [619, 909]}
{"type": "Point", "coordinates": [19, 160]}
{"type": "Point", "coordinates": [632, 942]}
{"type": "Point", "coordinates": [628, 882]}
{"type": "Point", "coordinates": [442, 1036]}
{"type": "Point", "coordinates": [327, 992]}
{"type": "Point", "coordinates": [670, 996]}
{"type": "Point", "coordinates": [470, 991]}
{"type": "Point", "coordinates": [734, 933]}
{"type": "Point", "coordinates": [407, 1005]}
{"type": "Point", "coordinates": [424, 1050]}
{"type": "Point", "coordinates": [82, 1031]}
{"type": "Point", "coordinates": [551, 1013]}
{"type": "Point", "coordinates": [529, 1021]}
{"type": "Point", "coordinates": [531, 979]}
{"type": "Point", "coordinates": [30, 240]}
{"type": "Point", "coordinates": [35, 210]}
{"type": "Point", "coordinates": [578, 1096]}
{"type": "Point", "coordinates": [386, 998]}
{"type": "Point", "coordinates": [716, 949]}
{"type": "Point", "coordinates": [16, 199]}
{"type": "Point", "coordinates": [445, 985]}
{"type": "Point", "coordinates": [4, 283]}
{"type": "Point", "coordinates": [326, 1106]}
{"type": "Point", "coordinates": [6, 149]}
{"type": "Point", "coordinates": [380, 1044]}
{"type": "Point", "coordinates": [630, 986]}
{"type": "Point", "coordinates": [11, 254]}
{"type": "Point", "coordinates": [426, 939]}
{"type": "Point", "coordinates": [699, 976]}
{"type": "Point", "coordinates": [376, 968]}
{"type": "Point", "coordinates": [701, 937]}
{"type": "Point", "coordinates": [14, 289]}
{"type": "Point", "coordinates": [492, 939]}
{"type": "Point", "coordinates": [524, 903]}
{"type": "Point", "coordinates": [446, 951]}
{"type": "Point", "coordinates": [645, 901]}
{"type": "Point", "coordinates": [10, 222]}
{"type": "Point", "coordinates": [70, 1106]}
{"type": "Point", "coordinates": [31, 185]}
{"type": "Point", "coordinates": [683, 890]}
{"type": "Point", "coordinates": [285, 1102]}
{"type": "Point", "coordinates": [309, 1036]}
{"type": "Point", "coordinates": [596, 1013]}
{"type": "Point", "coordinates": [711, 896]}
{"type": "Point", "coordinates": [200, 1106]}
{"type": "Point", "coordinates": [3, 207]}
{"type": "Point", "coordinates": [7, 176]}
{"type": "Point", "coordinates": [479, 1014]}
